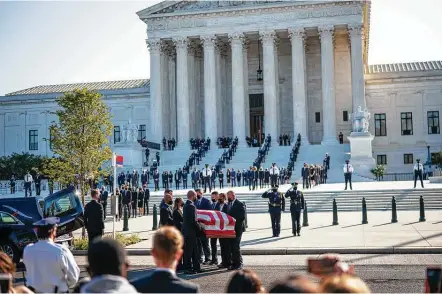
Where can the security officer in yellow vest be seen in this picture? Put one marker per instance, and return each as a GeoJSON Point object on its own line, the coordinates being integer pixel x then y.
{"type": "Point", "coordinates": [296, 206]}
{"type": "Point", "coordinates": [276, 206]}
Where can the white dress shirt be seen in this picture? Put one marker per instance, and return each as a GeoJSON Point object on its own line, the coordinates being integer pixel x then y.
{"type": "Point", "coordinates": [28, 178]}
{"type": "Point", "coordinates": [207, 172]}
{"type": "Point", "coordinates": [274, 170]}
{"type": "Point", "coordinates": [418, 166]}
{"type": "Point", "coordinates": [50, 265]}
{"type": "Point", "coordinates": [348, 168]}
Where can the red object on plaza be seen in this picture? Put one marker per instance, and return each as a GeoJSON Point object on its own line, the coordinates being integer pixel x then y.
{"type": "Point", "coordinates": [217, 224]}
{"type": "Point", "coordinates": [119, 160]}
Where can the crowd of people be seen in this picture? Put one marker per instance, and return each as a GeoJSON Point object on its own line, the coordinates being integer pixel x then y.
{"type": "Point", "coordinates": [284, 140]}
{"type": "Point", "coordinates": [315, 174]}
{"type": "Point", "coordinates": [169, 144]}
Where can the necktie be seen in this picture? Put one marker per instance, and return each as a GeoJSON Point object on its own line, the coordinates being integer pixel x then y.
{"type": "Point", "coordinates": [418, 167]}
{"type": "Point", "coordinates": [347, 168]}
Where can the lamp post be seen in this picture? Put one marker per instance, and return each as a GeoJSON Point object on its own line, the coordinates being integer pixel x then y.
{"type": "Point", "coordinates": [428, 164]}
{"type": "Point", "coordinates": [259, 71]}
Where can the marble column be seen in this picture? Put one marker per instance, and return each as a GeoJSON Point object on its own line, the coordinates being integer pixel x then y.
{"type": "Point", "coordinates": [297, 36]}
{"type": "Point", "coordinates": [328, 85]}
{"type": "Point", "coordinates": [270, 102]}
{"type": "Point", "coordinates": [219, 103]}
{"type": "Point", "coordinates": [238, 104]}
{"type": "Point", "coordinates": [357, 67]}
{"type": "Point", "coordinates": [172, 95]}
{"type": "Point", "coordinates": [246, 87]}
{"type": "Point", "coordinates": [182, 92]}
{"type": "Point", "coordinates": [156, 107]}
{"type": "Point", "coordinates": [165, 90]}
{"type": "Point", "coordinates": [210, 110]}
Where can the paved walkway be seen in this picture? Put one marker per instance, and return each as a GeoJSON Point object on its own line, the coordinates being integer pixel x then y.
{"type": "Point", "coordinates": [349, 234]}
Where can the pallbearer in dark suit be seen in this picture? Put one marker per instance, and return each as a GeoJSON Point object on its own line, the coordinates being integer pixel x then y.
{"type": "Point", "coordinates": [166, 252]}
{"type": "Point", "coordinates": [224, 243]}
{"type": "Point", "coordinates": [191, 230]}
{"type": "Point", "coordinates": [166, 211]}
{"type": "Point", "coordinates": [94, 217]}
{"type": "Point", "coordinates": [296, 206]}
{"type": "Point", "coordinates": [178, 223]}
{"type": "Point", "coordinates": [213, 241]}
{"type": "Point", "coordinates": [146, 200]}
{"type": "Point", "coordinates": [236, 209]}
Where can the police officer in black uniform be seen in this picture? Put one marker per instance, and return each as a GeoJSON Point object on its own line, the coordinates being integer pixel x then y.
{"type": "Point", "coordinates": [296, 206]}
{"type": "Point", "coordinates": [276, 206]}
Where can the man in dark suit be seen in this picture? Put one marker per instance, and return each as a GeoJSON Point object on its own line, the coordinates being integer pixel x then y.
{"type": "Point", "coordinates": [166, 211]}
{"type": "Point", "coordinates": [103, 199]}
{"type": "Point", "coordinates": [94, 217]}
{"type": "Point", "coordinates": [166, 253]}
{"type": "Point", "coordinates": [191, 231]}
{"type": "Point", "coordinates": [305, 176]}
{"type": "Point", "coordinates": [203, 203]}
{"type": "Point", "coordinates": [213, 241]}
{"type": "Point", "coordinates": [236, 209]}
{"type": "Point", "coordinates": [224, 243]}
{"type": "Point", "coordinates": [146, 200]}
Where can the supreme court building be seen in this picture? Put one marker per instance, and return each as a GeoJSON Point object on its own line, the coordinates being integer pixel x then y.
{"type": "Point", "coordinates": [243, 68]}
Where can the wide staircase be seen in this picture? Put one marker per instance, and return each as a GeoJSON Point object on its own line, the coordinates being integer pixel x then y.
{"type": "Point", "coordinates": [243, 158]}
{"type": "Point", "coordinates": [211, 157]}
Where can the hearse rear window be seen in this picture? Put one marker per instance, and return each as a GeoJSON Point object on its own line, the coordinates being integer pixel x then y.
{"type": "Point", "coordinates": [60, 206]}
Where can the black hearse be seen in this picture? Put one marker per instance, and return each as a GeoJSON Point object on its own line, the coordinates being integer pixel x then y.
{"type": "Point", "coordinates": [17, 216]}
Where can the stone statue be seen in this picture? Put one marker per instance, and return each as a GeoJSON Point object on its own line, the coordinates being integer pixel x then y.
{"type": "Point", "coordinates": [129, 133]}
{"type": "Point", "coordinates": [360, 120]}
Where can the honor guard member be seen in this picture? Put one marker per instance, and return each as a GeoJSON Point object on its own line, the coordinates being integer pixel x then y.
{"type": "Point", "coordinates": [276, 206]}
{"type": "Point", "coordinates": [348, 171]}
{"type": "Point", "coordinates": [418, 170]}
{"type": "Point", "coordinates": [50, 267]}
{"type": "Point", "coordinates": [207, 174]}
{"type": "Point", "coordinates": [296, 206]}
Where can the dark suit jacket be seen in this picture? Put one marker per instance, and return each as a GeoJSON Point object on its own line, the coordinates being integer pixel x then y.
{"type": "Point", "coordinates": [94, 217]}
{"type": "Point", "coordinates": [166, 215]}
{"type": "Point", "coordinates": [178, 219]}
{"type": "Point", "coordinates": [238, 212]}
{"type": "Point", "coordinates": [160, 281]}
{"type": "Point", "coordinates": [191, 227]}
{"type": "Point", "coordinates": [205, 204]}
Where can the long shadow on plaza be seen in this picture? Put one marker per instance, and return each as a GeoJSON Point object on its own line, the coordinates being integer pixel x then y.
{"type": "Point", "coordinates": [264, 240]}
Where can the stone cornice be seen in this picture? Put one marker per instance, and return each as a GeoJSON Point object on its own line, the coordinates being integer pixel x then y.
{"type": "Point", "coordinates": [296, 12]}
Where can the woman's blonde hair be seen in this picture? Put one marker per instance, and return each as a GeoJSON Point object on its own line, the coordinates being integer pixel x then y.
{"type": "Point", "coordinates": [344, 283]}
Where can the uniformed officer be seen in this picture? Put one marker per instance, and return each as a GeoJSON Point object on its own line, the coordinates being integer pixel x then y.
{"type": "Point", "coordinates": [60, 272]}
{"type": "Point", "coordinates": [418, 170]}
{"type": "Point", "coordinates": [296, 206]}
{"type": "Point", "coordinates": [276, 206]}
{"type": "Point", "coordinates": [207, 174]}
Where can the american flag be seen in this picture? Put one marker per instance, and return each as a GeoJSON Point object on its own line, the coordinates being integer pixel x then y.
{"type": "Point", "coordinates": [217, 224]}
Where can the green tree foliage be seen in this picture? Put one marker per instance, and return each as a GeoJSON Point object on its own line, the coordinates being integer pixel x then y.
{"type": "Point", "coordinates": [80, 139]}
{"type": "Point", "coordinates": [437, 159]}
{"type": "Point", "coordinates": [19, 164]}
{"type": "Point", "coordinates": [378, 171]}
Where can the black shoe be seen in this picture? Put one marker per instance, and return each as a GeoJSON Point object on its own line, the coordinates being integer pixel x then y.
{"type": "Point", "coordinates": [206, 262]}
{"type": "Point", "coordinates": [214, 262]}
{"type": "Point", "coordinates": [223, 266]}
{"type": "Point", "coordinates": [299, 234]}
{"type": "Point", "coordinates": [235, 268]}
{"type": "Point", "coordinates": [294, 234]}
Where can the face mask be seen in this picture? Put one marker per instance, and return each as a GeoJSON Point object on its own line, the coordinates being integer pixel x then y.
{"type": "Point", "coordinates": [230, 199]}
{"type": "Point", "coordinates": [199, 196]}
{"type": "Point", "coordinates": [182, 204]}
{"type": "Point", "coordinates": [275, 190]}
{"type": "Point", "coordinates": [170, 202]}
{"type": "Point", "coordinates": [221, 201]}
{"type": "Point", "coordinates": [213, 200]}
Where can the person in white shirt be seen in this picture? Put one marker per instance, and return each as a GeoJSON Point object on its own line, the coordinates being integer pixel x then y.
{"type": "Point", "coordinates": [50, 267]}
{"type": "Point", "coordinates": [28, 182]}
{"type": "Point", "coordinates": [418, 170]}
{"type": "Point", "coordinates": [348, 171]}
{"type": "Point", "coordinates": [207, 174]}
{"type": "Point", "coordinates": [274, 173]}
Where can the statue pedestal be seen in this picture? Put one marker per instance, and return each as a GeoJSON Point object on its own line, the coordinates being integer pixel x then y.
{"type": "Point", "coordinates": [133, 155]}
{"type": "Point", "coordinates": [361, 153]}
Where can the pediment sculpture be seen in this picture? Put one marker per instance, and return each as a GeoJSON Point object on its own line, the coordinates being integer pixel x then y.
{"type": "Point", "coordinates": [129, 133]}
{"type": "Point", "coordinates": [360, 120]}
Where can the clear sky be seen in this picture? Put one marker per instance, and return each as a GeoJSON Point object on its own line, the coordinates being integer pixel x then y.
{"type": "Point", "coordinates": [43, 43]}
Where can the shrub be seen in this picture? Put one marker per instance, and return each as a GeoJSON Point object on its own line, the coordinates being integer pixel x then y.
{"type": "Point", "coordinates": [125, 240]}
{"type": "Point", "coordinates": [378, 171]}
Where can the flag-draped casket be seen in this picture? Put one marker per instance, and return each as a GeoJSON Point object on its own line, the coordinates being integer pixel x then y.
{"type": "Point", "coordinates": [216, 224]}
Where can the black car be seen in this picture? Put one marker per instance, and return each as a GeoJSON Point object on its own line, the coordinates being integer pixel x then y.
{"type": "Point", "coordinates": [17, 216]}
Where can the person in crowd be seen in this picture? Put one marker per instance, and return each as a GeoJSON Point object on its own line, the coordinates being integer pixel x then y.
{"type": "Point", "coordinates": [28, 184]}
{"type": "Point", "coordinates": [274, 173]}
{"type": "Point", "coordinates": [418, 170]}
{"type": "Point", "coordinates": [120, 204]}
{"type": "Point", "coordinates": [166, 211]}
{"type": "Point", "coordinates": [184, 176]}
{"type": "Point", "coordinates": [103, 199]}
{"type": "Point", "coordinates": [12, 184]}
{"type": "Point", "coordinates": [140, 200]}
{"type": "Point", "coordinates": [37, 182]}
{"type": "Point", "coordinates": [203, 203]}
{"type": "Point", "coordinates": [127, 195]}
{"type": "Point", "coordinates": [178, 213]}
{"type": "Point", "coordinates": [266, 177]}
{"type": "Point", "coordinates": [223, 242]}
{"type": "Point", "coordinates": [156, 180]}
{"type": "Point", "coordinates": [7, 268]}
{"type": "Point", "coordinates": [50, 267]}
{"type": "Point", "coordinates": [134, 201]}
{"type": "Point", "coordinates": [245, 281]}
{"type": "Point", "coordinates": [305, 172]}
{"type": "Point", "coordinates": [236, 209]}
{"type": "Point", "coordinates": [94, 217]}
{"type": "Point", "coordinates": [167, 250]}
{"type": "Point", "coordinates": [294, 284]}
{"type": "Point", "coordinates": [191, 230]}
{"type": "Point", "coordinates": [343, 283]}
{"type": "Point", "coordinates": [146, 198]}
{"type": "Point", "coordinates": [213, 178]}
{"type": "Point", "coordinates": [107, 266]}
{"type": "Point", "coordinates": [213, 241]}
{"type": "Point", "coordinates": [296, 206]}
{"type": "Point", "coordinates": [221, 179]}
{"type": "Point", "coordinates": [327, 160]}
{"type": "Point", "coordinates": [341, 138]}
{"type": "Point", "coordinates": [228, 177]}
{"type": "Point", "coordinates": [348, 172]}
{"type": "Point", "coordinates": [276, 206]}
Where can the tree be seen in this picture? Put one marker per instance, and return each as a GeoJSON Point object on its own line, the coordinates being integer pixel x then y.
{"type": "Point", "coordinates": [437, 159]}
{"type": "Point", "coordinates": [79, 139]}
{"type": "Point", "coordinates": [378, 171]}
{"type": "Point", "coordinates": [19, 164]}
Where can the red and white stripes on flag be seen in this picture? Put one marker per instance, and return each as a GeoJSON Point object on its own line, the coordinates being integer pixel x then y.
{"type": "Point", "coordinates": [217, 224]}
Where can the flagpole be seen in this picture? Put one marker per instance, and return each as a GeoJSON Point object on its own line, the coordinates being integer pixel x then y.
{"type": "Point", "coordinates": [114, 165]}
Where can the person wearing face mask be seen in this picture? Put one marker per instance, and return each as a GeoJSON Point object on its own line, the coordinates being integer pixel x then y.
{"type": "Point", "coordinates": [191, 229]}
{"type": "Point", "coordinates": [213, 241]}
{"type": "Point", "coordinates": [296, 206]}
{"type": "Point", "coordinates": [203, 203]}
{"type": "Point", "coordinates": [223, 242]}
{"type": "Point", "coordinates": [237, 210]}
{"type": "Point", "coordinates": [276, 206]}
{"type": "Point", "coordinates": [166, 211]}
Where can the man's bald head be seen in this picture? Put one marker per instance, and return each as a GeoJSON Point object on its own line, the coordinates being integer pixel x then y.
{"type": "Point", "coordinates": [191, 195]}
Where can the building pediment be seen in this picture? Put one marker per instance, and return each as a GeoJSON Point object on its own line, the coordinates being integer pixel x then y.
{"type": "Point", "coordinates": [179, 7]}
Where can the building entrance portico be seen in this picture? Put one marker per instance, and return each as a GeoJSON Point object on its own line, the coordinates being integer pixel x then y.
{"type": "Point", "coordinates": [257, 126]}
